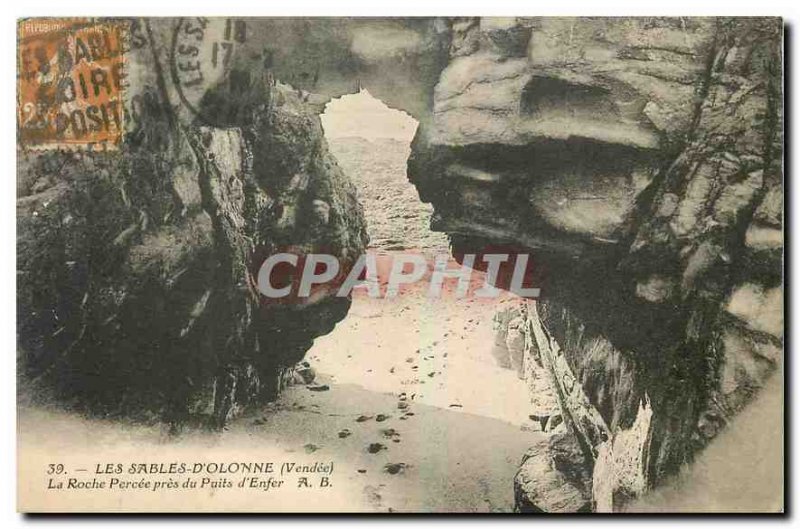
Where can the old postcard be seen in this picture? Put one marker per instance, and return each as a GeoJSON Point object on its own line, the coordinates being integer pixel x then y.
{"type": "Point", "coordinates": [422, 265]}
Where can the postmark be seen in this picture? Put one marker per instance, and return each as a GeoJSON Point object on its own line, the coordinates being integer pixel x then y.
{"type": "Point", "coordinates": [69, 79]}
{"type": "Point", "coordinates": [202, 54]}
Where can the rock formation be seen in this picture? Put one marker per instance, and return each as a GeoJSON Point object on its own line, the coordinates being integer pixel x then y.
{"type": "Point", "coordinates": [639, 160]}
{"type": "Point", "coordinates": [136, 267]}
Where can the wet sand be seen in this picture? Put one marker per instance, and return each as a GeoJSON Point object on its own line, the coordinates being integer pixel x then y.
{"type": "Point", "coordinates": [452, 416]}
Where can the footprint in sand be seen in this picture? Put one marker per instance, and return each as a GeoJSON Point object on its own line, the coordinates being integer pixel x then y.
{"type": "Point", "coordinates": [374, 448]}
{"type": "Point", "coordinates": [395, 468]}
{"type": "Point", "coordinates": [373, 496]}
{"type": "Point", "coordinates": [391, 433]}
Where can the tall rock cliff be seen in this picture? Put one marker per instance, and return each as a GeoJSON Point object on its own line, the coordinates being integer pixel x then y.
{"type": "Point", "coordinates": [639, 161]}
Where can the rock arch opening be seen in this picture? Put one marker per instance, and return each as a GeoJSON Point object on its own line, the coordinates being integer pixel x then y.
{"type": "Point", "coordinates": [415, 382]}
{"type": "Point", "coordinates": [372, 143]}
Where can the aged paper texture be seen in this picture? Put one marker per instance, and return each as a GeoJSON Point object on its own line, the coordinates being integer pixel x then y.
{"type": "Point", "coordinates": [424, 265]}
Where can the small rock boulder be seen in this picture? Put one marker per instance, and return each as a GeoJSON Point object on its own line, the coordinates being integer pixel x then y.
{"type": "Point", "coordinates": [554, 477]}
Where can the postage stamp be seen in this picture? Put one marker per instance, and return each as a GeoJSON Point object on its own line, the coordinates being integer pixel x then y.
{"type": "Point", "coordinates": [69, 75]}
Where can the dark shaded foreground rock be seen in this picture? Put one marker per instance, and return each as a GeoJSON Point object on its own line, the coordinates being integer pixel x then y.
{"type": "Point", "coordinates": [136, 268]}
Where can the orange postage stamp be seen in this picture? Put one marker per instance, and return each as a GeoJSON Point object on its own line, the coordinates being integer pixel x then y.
{"type": "Point", "coordinates": [68, 83]}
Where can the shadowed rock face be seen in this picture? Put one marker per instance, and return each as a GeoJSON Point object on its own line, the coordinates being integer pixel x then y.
{"type": "Point", "coordinates": [136, 268]}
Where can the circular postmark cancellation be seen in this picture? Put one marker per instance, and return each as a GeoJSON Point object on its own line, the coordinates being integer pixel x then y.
{"type": "Point", "coordinates": [69, 83]}
{"type": "Point", "coordinates": [202, 57]}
